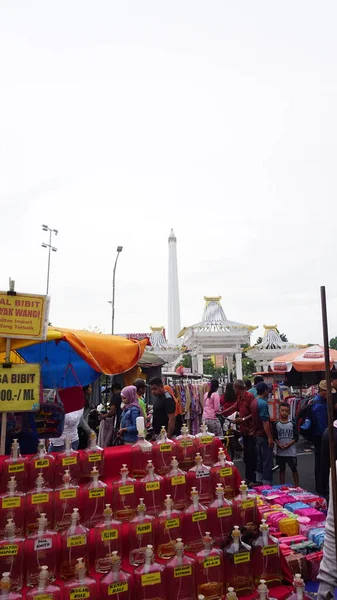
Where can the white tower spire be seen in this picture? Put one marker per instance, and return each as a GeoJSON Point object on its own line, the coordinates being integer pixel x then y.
{"type": "Point", "coordinates": [174, 326]}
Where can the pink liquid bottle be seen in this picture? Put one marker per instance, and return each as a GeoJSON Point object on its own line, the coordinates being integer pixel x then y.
{"type": "Point", "coordinates": [124, 496]}
{"type": "Point", "coordinates": [41, 464]}
{"type": "Point", "coordinates": [266, 558]}
{"type": "Point", "coordinates": [44, 589]}
{"type": "Point", "coordinates": [180, 575]}
{"type": "Point", "coordinates": [149, 578]}
{"type": "Point", "coordinates": [116, 585]}
{"type": "Point", "coordinates": [245, 509]}
{"type": "Point", "coordinates": [220, 517]}
{"type": "Point", "coordinates": [163, 452]}
{"type": "Point", "coordinates": [12, 555]}
{"type": "Point", "coordinates": [17, 466]}
{"type": "Point", "coordinates": [74, 545]}
{"type": "Point", "coordinates": [108, 539]}
{"type": "Point", "coordinates": [185, 449]}
{"type": "Point", "coordinates": [66, 498]}
{"type": "Point", "coordinates": [226, 473]}
{"type": "Point", "coordinates": [82, 586]}
{"type": "Point", "coordinates": [238, 565]}
{"type": "Point", "coordinates": [93, 500]}
{"type": "Point", "coordinates": [68, 460]}
{"type": "Point", "coordinates": [42, 548]}
{"type": "Point", "coordinates": [263, 591]}
{"type": "Point", "coordinates": [195, 523]}
{"type": "Point", "coordinates": [93, 456]}
{"type": "Point", "coordinates": [200, 478]}
{"type": "Point", "coordinates": [205, 445]}
{"type": "Point", "coordinates": [5, 587]}
{"type": "Point", "coordinates": [299, 591]}
{"type": "Point", "coordinates": [175, 485]}
{"type": "Point", "coordinates": [169, 529]}
{"type": "Point", "coordinates": [151, 488]}
{"type": "Point", "coordinates": [141, 534]}
{"type": "Point", "coordinates": [141, 451]}
{"type": "Point", "coordinates": [12, 504]}
{"type": "Point", "coordinates": [209, 563]}
{"type": "Point", "coordinates": [39, 500]}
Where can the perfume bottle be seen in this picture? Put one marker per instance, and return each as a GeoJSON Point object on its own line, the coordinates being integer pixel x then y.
{"type": "Point", "coordinates": [108, 539]}
{"type": "Point", "coordinates": [226, 473]}
{"type": "Point", "coordinates": [299, 592]}
{"type": "Point", "coordinates": [82, 586]}
{"type": "Point", "coordinates": [68, 460]}
{"type": "Point", "coordinates": [94, 496]}
{"type": "Point", "coordinates": [180, 575]}
{"type": "Point", "coordinates": [200, 478]}
{"type": "Point", "coordinates": [12, 503]}
{"type": "Point", "coordinates": [195, 522]}
{"type": "Point", "coordinates": [175, 485]}
{"type": "Point", "coordinates": [12, 554]}
{"type": "Point", "coordinates": [237, 565]}
{"type": "Point", "coordinates": [41, 464]}
{"type": "Point", "coordinates": [151, 488]}
{"type": "Point", "coordinates": [42, 548]}
{"type": "Point", "coordinates": [141, 534]}
{"type": "Point", "coordinates": [169, 529]}
{"type": "Point", "coordinates": [39, 500]}
{"type": "Point", "coordinates": [74, 545]}
{"type": "Point", "coordinates": [263, 591]}
{"type": "Point", "coordinates": [141, 451]}
{"type": "Point", "coordinates": [266, 558]}
{"type": "Point", "coordinates": [185, 449]}
{"type": "Point", "coordinates": [245, 508]}
{"type": "Point", "coordinates": [209, 570]}
{"type": "Point", "coordinates": [117, 584]}
{"type": "Point", "coordinates": [66, 498]}
{"type": "Point", "coordinates": [163, 452]}
{"type": "Point", "coordinates": [93, 456]}
{"type": "Point", "coordinates": [205, 445]}
{"type": "Point", "coordinates": [124, 496]}
{"type": "Point", "coordinates": [231, 595]}
{"type": "Point", "coordinates": [220, 517]}
{"type": "Point", "coordinates": [5, 586]}
{"type": "Point", "coordinates": [17, 466]}
{"type": "Point", "coordinates": [44, 589]}
{"type": "Point", "coordinates": [149, 578]}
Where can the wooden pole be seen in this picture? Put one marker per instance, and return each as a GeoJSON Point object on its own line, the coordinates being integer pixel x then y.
{"type": "Point", "coordinates": [4, 414]}
{"type": "Point", "coordinates": [330, 411]}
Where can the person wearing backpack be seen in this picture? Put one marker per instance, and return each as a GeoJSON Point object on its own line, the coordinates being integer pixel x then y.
{"type": "Point", "coordinates": [319, 418]}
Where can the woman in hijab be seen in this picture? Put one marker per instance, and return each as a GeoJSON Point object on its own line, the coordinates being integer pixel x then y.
{"type": "Point", "coordinates": [131, 410]}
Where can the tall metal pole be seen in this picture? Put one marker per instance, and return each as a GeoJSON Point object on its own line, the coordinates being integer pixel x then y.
{"type": "Point", "coordinates": [48, 270]}
{"type": "Point", "coordinates": [119, 250]}
{"type": "Point", "coordinates": [50, 249]}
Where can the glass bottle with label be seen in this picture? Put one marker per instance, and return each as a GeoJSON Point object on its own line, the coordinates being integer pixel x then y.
{"type": "Point", "coordinates": [299, 591]}
{"type": "Point", "coordinates": [149, 578]}
{"type": "Point", "coordinates": [66, 498]}
{"type": "Point", "coordinates": [141, 534]}
{"type": "Point", "coordinates": [117, 584]}
{"type": "Point", "coordinates": [163, 452]}
{"type": "Point", "coordinates": [12, 504]}
{"type": "Point", "coordinates": [169, 529]}
{"type": "Point", "coordinates": [74, 545]}
{"type": "Point", "coordinates": [200, 478]}
{"type": "Point", "coordinates": [44, 589]}
{"type": "Point", "coordinates": [93, 456]}
{"type": "Point", "coordinates": [205, 445]}
{"type": "Point", "coordinates": [5, 587]}
{"type": "Point", "coordinates": [151, 488]}
{"type": "Point", "coordinates": [180, 575]}
{"type": "Point", "coordinates": [41, 464]}
{"type": "Point", "coordinates": [266, 558]}
{"type": "Point", "coordinates": [68, 460]}
{"type": "Point", "coordinates": [175, 485]}
{"type": "Point", "coordinates": [209, 564]}
{"type": "Point", "coordinates": [108, 539]}
{"type": "Point", "coordinates": [39, 500]}
{"type": "Point", "coordinates": [94, 496]}
{"type": "Point", "coordinates": [220, 516]}
{"type": "Point", "coordinates": [17, 466]}
{"type": "Point", "coordinates": [245, 508]}
{"type": "Point", "coordinates": [141, 451]}
{"type": "Point", "coordinates": [238, 565]}
{"type": "Point", "coordinates": [82, 586]}
{"type": "Point", "coordinates": [124, 496]}
{"type": "Point", "coordinates": [226, 473]}
{"type": "Point", "coordinates": [185, 449]}
{"type": "Point", "coordinates": [42, 548]}
{"type": "Point", "coordinates": [195, 523]}
{"type": "Point", "coordinates": [12, 555]}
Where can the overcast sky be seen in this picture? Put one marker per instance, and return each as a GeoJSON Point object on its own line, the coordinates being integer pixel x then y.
{"type": "Point", "coordinates": [120, 119]}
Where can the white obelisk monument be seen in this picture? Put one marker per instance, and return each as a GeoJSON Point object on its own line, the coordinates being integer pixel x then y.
{"type": "Point", "coordinates": [174, 326]}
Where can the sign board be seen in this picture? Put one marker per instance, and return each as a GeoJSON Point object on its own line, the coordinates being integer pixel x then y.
{"type": "Point", "coordinates": [23, 316]}
{"type": "Point", "coordinates": [20, 388]}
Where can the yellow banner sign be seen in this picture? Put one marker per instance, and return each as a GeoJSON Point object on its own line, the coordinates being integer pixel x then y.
{"type": "Point", "coordinates": [20, 388]}
{"type": "Point", "coordinates": [23, 316]}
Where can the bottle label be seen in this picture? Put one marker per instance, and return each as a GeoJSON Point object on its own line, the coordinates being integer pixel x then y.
{"type": "Point", "coordinates": [66, 494]}
{"type": "Point", "coordinates": [202, 473]}
{"type": "Point", "coordinates": [226, 472]}
{"type": "Point", "coordinates": [224, 511]}
{"type": "Point", "coordinates": [206, 439]}
{"type": "Point", "coordinates": [16, 468]}
{"type": "Point", "coordinates": [69, 460]}
{"type": "Point", "coordinates": [151, 579]}
{"type": "Point", "coordinates": [211, 561]}
{"type": "Point", "coordinates": [80, 592]}
{"type": "Point", "coordinates": [44, 597]}
{"type": "Point", "coordinates": [151, 486]}
{"type": "Point", "coordinates": [183, 571]}
{"type": "Point", "coordinates": [118, 587]}
{"type": "Point", "coordinates": [248, 504]}
{"type": "Point", "coordinates": [186, 443]}
{"type": "Point", "coordinates": [172, 523]}
{"type": "Point", "coordinates": [199, 516]}
{"type": "Point", "coordinates": [11, 502]}
{"type": "Point", "coordinates": [76, 540]}
{"type": "Point", "coordinates": [43, 544]}
{"type": "Point", "coordinates": [9, 550]}
{"type": "Point", "coordinates": [267, 550]}
{"type": "Point", "coordinates": [126, 489]}
{"type": "Point", "coordinates": [165, 447]}
{"type": "Point", "coordinates": [40, 498]}
{"type": "Point", "coordinates": [97, 493]}
{"type": "Point", "coordinates": [144, 528]}
{"type": "Point", "coordinates": [95, 457]}
{"type": "Point", "coordinates": [41, 463]}
{"type": "Point", "coordinates": [178, 480]}
{"type": "Point", "coordinates": [243, 557]}
{"type": "Point", "coordinates": [109, 534]}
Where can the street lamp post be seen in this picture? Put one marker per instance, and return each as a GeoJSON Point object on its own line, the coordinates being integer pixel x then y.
{"type": "Point", "coordinates": [50, 249]}
{"type": "Point", "coordinates": [112, 302]}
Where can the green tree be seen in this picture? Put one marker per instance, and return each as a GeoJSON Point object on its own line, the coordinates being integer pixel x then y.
{"type": "Point", "coordinates": [333, 343]}
{"type": "Point", "coordinates": [248, 367]}
{"type": "Point", "coordinates": [209, 367]}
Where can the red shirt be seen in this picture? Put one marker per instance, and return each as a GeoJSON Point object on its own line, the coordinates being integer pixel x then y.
{"type": "Point", "coordinates": [243, 407]}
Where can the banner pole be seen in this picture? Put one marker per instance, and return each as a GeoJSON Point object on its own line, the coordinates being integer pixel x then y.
{"type": "Point", "coordinates": [4, 414]}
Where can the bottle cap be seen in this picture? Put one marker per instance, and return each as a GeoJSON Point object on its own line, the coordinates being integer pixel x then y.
{"type": "Point", "coordinates": [179, 546]}
{"type": "Point", "coordinates": [298, 581]}
{"type": "Point", "coordinates": [198, 458]}
{"type": "Point", "coordinates": [42, 521]}
{"type": "Point", "coordinates": [168, 501]}
{"type": "Point", "coordinates": [231, 594]}
{"type": "Point", "coordinates": [41, 446]}
{"type": "Point", "coordinates": [236, 532]}
{"type": "Point", "coordinates": [219, 489]}
{"type": "Point", "coordinates": [68, 444]}
{"type": "Point", "coordinates": [174, 463]}
{"type": "Point", "coordinates": [149, 551]}
{"type": "Point", "coordinates": [12, 485]}
{"type": "Point", "coordinates": [66, 477]}
{"type": "Point", "coordinates": [43, 577]}
{"type": "Point", "coordinates": [140, 424]}
{"type": "Point", "coordinates": [124, 470]}
{"type": "Point", "coordinates": [75, 516]}
{"type": "Point", "coordinates": [184, 430]}
{"type": "Point", "coordinates": [114, 558]}
{"type": "Point", "coordinates": [5, 583]}
{"type": "Point", "coordinates": [262, 588]}
{"type": "Point", "coordinates": [39, 481]}
{"type": "Point", "coordinates": [207, 539]}
{"type": "Point", "coordinates": [10, 528]}
{"type": "Point", "coordinates": [194, 494]}
{"type": "Point", "coordinates": [80, 568]}
{"type": "Point", "coordinates": [163, 432]}
{"type": "Point", "coordinates": [107, 512]}
{"type": "Point", "coordinates": [264, 526]}
{"type": "Point", "coordinates": [15, 449]}
{"type": "Point", "coordinates": [203, 427]}
{"type": "Point", "coordinates": [141, 506]}
{"type": "Point", "coordinates": [94, 472]}
{"type": "Point", "coordinates": [243, 487]}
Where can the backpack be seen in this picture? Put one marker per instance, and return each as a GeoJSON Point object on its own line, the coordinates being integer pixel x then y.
{"type": "Point", "coordinates": [305, 425]}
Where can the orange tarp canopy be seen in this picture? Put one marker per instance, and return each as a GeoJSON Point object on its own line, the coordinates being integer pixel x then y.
{"type": "Point", "coordinates": [304, 360]}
